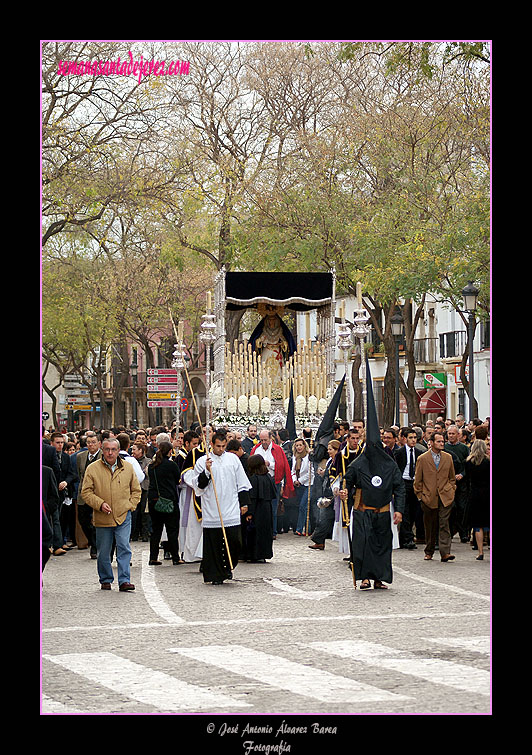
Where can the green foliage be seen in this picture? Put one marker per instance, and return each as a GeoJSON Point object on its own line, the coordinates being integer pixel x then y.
{"type": "Point", "coordinates": [379, 168]}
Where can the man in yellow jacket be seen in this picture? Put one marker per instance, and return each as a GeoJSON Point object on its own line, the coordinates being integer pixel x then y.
{"type": "Point", "coordinates": [435, 486]}
{"type": "Point", "coordinates": [111, 488]}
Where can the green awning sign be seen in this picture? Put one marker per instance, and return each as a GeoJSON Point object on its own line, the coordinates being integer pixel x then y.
{"type": "Point", "coordinates": [434, 380]}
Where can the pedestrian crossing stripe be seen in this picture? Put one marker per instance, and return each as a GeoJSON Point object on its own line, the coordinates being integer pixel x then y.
{"type": "Point", "coordinates": [166, 692]}
{"type": "Point", "coordinates": [456, 675]}
{"type": "Point", "coordinates": [287, 675]}
{"type": "Point", "coordinates": [143, 684]}
{"type": "Point", "coordinates": [477, 644]}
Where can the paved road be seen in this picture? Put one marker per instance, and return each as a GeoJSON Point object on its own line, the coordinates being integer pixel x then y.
{"type": "Point", "coordinates": [288, 637]}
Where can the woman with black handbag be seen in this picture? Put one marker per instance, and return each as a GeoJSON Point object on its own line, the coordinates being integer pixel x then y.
{"type": "Point", "coordinates": [163, 503]}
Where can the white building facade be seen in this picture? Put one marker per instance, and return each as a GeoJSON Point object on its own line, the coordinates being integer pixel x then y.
{"type": "Point", "coordinates": [440, 340]}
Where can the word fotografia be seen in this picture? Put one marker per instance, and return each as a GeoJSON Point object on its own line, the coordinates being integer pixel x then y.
{"type": "Point", "coordinates": [278, 749]}
{"type": "Point", "coordinates": [125, 68]}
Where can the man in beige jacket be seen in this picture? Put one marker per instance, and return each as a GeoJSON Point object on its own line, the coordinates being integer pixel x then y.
{"type": "Point", "coordinates": [111, 488]}
{"type": "Point", "coordinates": [434, 486]}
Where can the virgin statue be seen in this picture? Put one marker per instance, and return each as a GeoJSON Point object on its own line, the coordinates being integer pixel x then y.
{"type": "Point", "coordinates": [274, 343]}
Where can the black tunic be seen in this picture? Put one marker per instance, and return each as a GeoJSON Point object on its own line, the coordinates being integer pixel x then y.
{"type": "Point", "coordinates": [378, 477]}
{"type": "Point", "coordinates": [258, 535]}
{"type": "Point", "coordinates": [478, 481]}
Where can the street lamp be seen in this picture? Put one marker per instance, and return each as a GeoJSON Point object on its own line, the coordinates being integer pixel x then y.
{"type": "Point", "coordinates": [208, 336]}
{"type": "Point", "coordinates": [345, 343]}
{"type": "Point", "coordinates": [134, 373]}
{"type": "Point", "coordinates": [397, 332]}
{"type": "Point", "coordinates": [360, 332]}
{"type": "Point", "coordinates": [470, 294]}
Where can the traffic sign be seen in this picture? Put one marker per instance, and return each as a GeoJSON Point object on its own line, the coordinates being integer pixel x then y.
{"type": "Point", "coordinates": [79, 407]}
{"type": "Point", "coordinates": [184, 404]}
{"type": "Point", "coordinates": [155, 387]}
{"type": "Point", "coordinates": [161, 371]}
{"type": "Point", "coordinates": [45, 415]}
{"type": "Point", "coordinates": [161, 404]}
{"type": "Point", "coordinates": [162, 396]}
{"type": "Point", "coordinates": [161, 379]}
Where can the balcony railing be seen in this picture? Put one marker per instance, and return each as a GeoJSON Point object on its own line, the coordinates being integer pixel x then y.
{"type": "Point", "coordinates": [426, 350]}
{"type": "Point", "coordinates": [451, 344]}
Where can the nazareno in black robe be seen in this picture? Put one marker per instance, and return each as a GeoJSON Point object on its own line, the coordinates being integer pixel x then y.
{"type": "Point", "coordinates": [371, 533]}
{"type": "Point", "coordinates": [378, 477]}
{"type": "Point", "coordinates": [258, 535]}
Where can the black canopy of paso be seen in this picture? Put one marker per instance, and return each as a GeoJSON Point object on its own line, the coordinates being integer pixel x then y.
{"type": "Point", "coordinates": [291, 415]}
{"type": "Point", "coordinates": [374, 471]}
{"type": "Point", "coordinates": [325, 431]}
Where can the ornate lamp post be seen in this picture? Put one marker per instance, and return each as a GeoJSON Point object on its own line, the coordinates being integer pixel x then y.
{"type": "Point", "coordinates": [134, 372]}
{"type": "Point", "coordinates": [470, 294]}
{"type": "Point", "coordinates": [178, 363]}
{"type": "Point", "coordinates": [345, 343]}
{"type": "Point", "coordinates": [397, 332]}
{"type": "Point", "coordinates": [208, 336]}
{"type": "Point", "coordinates": [361, 331]}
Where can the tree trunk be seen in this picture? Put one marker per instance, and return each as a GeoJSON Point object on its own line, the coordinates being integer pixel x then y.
{"type": "Point", "coordinates": [473, 411]}
{"type": "Point", "coordinates": [408, 389]}
{"type": "Point", "coordinates": [389, 394]}
{"type": "Point", "coordinates": [150, 364]}
{"type": "Point", "coordinates": [120, 372]}
{"type": "Point", "coordinates": [232, 323]}
{"type": "Point", "coordinates": [358, 399]}
{"type": "Point", "coordinates": [51, 394]}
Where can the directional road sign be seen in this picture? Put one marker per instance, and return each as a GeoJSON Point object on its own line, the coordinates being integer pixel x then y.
{"type": "Point", "coordinates": [164, 388]}
{"type": "Point", "coordinates": [168, 379]}
{"type": "Point", "coordinates": [161, 404]}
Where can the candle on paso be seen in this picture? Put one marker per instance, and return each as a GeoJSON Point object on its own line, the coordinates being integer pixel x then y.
{"type": "Point", "coordinates": [209, 302]}
{"type": "Point", "coordinates": [359, 294]}
{"type": "Point", "coordinates": [180, 331]}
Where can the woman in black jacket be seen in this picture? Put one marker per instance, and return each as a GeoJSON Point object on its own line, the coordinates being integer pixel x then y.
{"type": "Point", "coordinates": [164, 480]}
{"type": "Point", "coordinates": [477, 475]}
{"type": "Point", "coordinates": [258, 540]}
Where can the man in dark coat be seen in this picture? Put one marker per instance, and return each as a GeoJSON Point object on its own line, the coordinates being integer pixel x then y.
{"type": "Point", "coordinates": [87, 456]}
{"type": "Point", "coordinates": [406, 457]}
{"type": "Point", "coordinates": [51, 502]}
{"type": "Point", "coordinates": [65, 481]}
{"type": "Point", "coordinates": [375, 477]}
